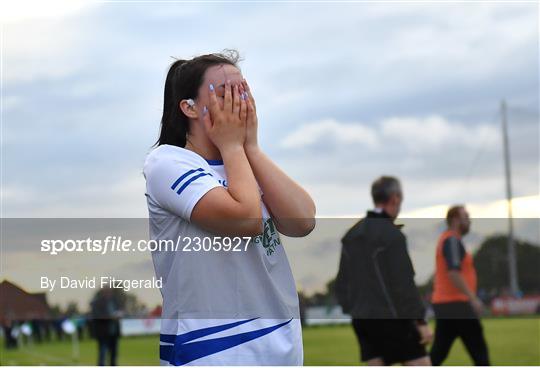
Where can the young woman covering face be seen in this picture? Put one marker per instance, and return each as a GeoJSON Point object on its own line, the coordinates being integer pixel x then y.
{"type": "Point", "coordinates": [226, 300]}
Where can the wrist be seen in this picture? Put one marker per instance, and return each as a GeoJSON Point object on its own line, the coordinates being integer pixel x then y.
{"type": "Point", "coordinates": [229, 149]}
{"type": "Point", "coordinates": [252, 149]}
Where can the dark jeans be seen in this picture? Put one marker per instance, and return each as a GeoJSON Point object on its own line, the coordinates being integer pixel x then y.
{"type": "Point", "coordinates": [462, 322]}
{"type": "Point", "coordinates": [107, 345]}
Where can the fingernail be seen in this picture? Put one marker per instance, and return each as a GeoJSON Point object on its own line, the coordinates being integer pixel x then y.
{"type": "Point", "coordinates": [205, 109]}
{"type": "Point", "coordinates": [245, 95]}
{"type": "Point", "coordinates": [211, 88]}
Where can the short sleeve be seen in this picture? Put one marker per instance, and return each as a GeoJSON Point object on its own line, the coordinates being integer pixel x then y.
{"type": "Point", "coordinates": [453, 253]}
{"type": "Point", "coordinates": [177, 184]}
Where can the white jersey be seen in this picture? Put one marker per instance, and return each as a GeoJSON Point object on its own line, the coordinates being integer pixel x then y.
{"type": "Point", "coordinates": [233, 306]}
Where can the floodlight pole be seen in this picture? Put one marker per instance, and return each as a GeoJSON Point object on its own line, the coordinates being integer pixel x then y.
{"type": "Point", "coordinates": [512, 264]}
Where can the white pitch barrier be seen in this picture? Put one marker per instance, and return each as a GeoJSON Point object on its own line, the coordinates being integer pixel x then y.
{"type": "Point", "coordinates": [140, 326]}
{"type": "Point", "coordinates": [331, 315]}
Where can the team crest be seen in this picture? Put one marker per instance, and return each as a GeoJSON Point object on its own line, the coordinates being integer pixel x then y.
{"type": "Point", "coordinates": [269, 239]}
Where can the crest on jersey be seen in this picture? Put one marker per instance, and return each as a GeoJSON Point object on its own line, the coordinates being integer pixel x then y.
{"type": "Point", "coordinates": [269, 239]}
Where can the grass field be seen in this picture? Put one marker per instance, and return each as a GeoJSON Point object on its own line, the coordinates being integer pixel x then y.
{"type": "Point", "coordinates": [511, 342]}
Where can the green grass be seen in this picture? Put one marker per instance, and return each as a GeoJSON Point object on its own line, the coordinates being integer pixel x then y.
{"type": "Point", "coordinates": [511, 342]}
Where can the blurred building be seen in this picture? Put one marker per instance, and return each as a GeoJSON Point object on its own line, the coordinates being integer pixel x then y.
{"type": "Point", "coordinates": [18, 305]}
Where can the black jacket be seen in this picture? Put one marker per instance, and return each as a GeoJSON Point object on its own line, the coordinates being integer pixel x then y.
{"type": "Point", "coordinates": [376, 275]}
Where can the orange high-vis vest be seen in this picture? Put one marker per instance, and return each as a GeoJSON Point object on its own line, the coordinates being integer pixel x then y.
{"type": "Point", "coordinates": [444, 290]}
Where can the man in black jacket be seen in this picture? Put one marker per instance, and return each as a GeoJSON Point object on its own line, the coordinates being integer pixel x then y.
{"type": "Point", "coordinates": [375, 284]}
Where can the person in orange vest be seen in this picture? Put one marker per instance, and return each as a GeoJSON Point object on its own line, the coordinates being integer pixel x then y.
{"type": "Point", "coordinates": [456, 306]}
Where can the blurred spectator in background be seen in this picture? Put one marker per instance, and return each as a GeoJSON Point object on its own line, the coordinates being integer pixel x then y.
{"type": "Point", "coordinates": [9, 340]}
{"type": "Point", "coordinates": [106, 325]}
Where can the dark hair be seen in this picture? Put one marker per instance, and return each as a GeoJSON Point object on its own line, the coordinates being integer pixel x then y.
{"type": "Point", "coordinates": [383, 188]}
{"type": "Point", "coordinates": [453, 212]}
{"type": "Point", "coordinates": [183, 81]}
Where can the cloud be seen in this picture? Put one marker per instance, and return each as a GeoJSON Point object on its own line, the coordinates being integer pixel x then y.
{"type": "Point", "coordinates": [11, 102]}
{"type": "Point", "coordinates": [414, 135]}
{"type": "Point", "coordinates": [436, 132]}
{"type": "Point", "coordinates": [12, 11]}
{"type": "Point", "coordinates": [83, 97]}
{"type": "Point", "coordinates": [523, 207]}
{"type": "Point", "coordinates": [123, 197]}
{"type": "Point", "coordinates": [329, 129]}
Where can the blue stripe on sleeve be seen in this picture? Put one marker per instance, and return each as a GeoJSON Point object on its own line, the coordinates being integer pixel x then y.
{"type": "Point", "coordinates": [175, 184]}
{"type": "Point", "coordinates": [192, 179]}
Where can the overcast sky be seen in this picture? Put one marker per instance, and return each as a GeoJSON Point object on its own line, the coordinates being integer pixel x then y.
{"type": "Point", "coordinates": [345, 92]}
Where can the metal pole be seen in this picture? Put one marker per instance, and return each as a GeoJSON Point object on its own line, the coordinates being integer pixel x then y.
{"type": "Point", "coordinates": [512, 265]}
